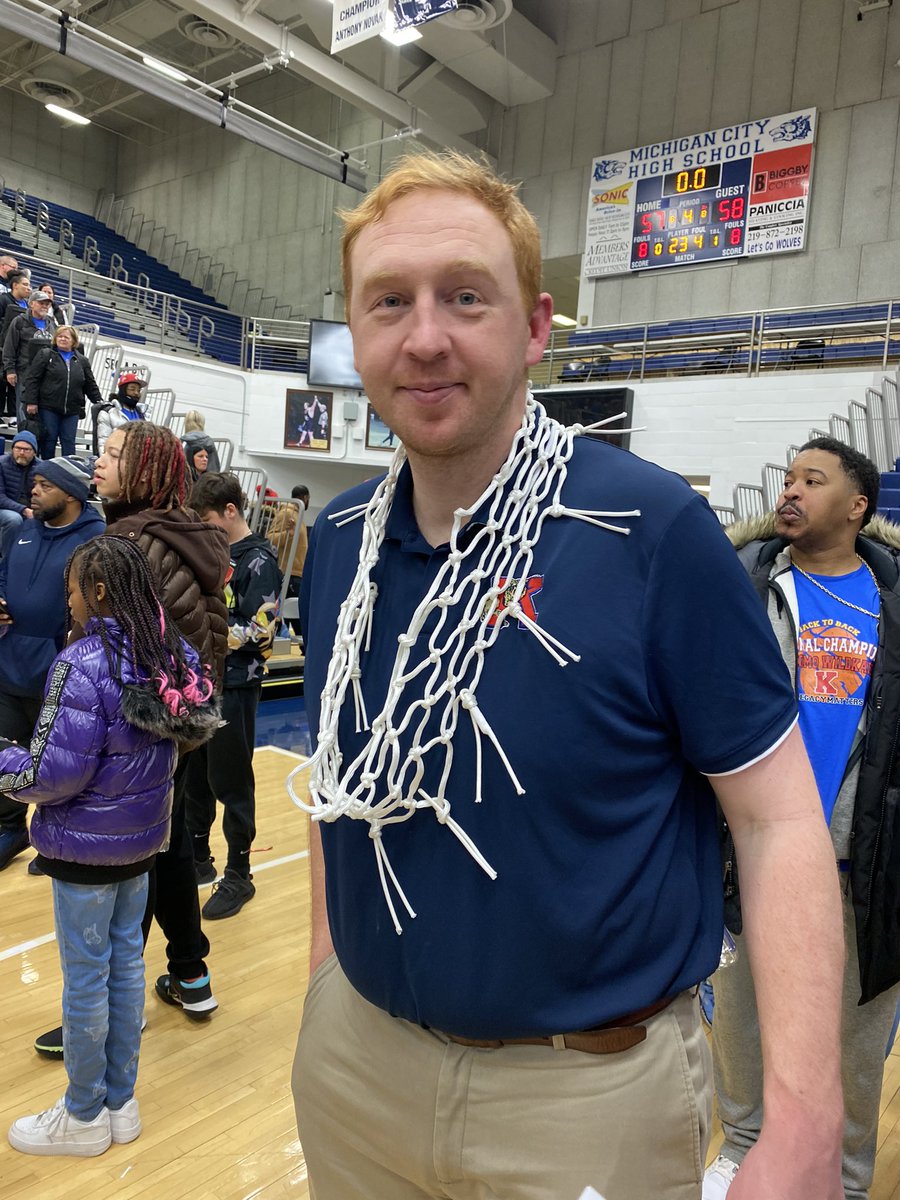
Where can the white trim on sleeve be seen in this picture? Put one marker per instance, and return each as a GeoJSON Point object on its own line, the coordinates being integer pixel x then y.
{"type": "Point", "coordinates": [753, 761]}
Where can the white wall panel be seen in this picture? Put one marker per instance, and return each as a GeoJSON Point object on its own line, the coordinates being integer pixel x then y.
{"type": "Point", "coordinates": [870, 172]}
{"type": "Point", "coordinates": [733, 84]}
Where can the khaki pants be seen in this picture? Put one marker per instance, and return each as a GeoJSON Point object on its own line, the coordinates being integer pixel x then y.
{"type": "Point", "coordinates": [389, 1111]}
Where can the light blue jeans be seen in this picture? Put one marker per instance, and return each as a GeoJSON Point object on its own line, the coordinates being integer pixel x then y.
{"type": "Point", "coordinates": [98, 928]}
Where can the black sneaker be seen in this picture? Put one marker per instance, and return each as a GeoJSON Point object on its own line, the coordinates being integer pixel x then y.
{"type": "Point", "coordinates": [194, 999]}
{"type": "Point", "coordinates": [50, 1044]}
{"type": "Point", "coordinates": [12, 842]}
{"type": "Point", "coordinates": [229, 895]}
{"type": "Point", "coordinates": [205, 870]}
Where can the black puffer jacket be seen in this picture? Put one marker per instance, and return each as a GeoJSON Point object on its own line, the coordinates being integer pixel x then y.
{"type": "Point", "coordinates": [61, 386]}
{"type": "Point", "coordinates": [875, 837]}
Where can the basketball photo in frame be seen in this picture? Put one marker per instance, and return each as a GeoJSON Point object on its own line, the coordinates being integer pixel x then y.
{"type": "Point", "coordinates": [307, 420]}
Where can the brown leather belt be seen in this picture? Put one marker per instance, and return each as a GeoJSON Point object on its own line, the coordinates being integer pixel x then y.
{"type": "Point", "coordinates": [612, 1038]}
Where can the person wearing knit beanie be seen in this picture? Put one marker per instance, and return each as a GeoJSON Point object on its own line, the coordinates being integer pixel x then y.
{"type": "Point", "coordinates": [71, 474]}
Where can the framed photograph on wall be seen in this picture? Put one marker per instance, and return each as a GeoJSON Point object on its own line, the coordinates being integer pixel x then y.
{"type": "Point", "coordinates": [378, 435]}
{"type": "Point", "coordinates": [307, 420]}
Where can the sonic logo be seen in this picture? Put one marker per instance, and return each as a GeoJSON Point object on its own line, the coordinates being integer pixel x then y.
{"type": "Point", "coordinates": [619, 195]}
{"type": "Point", "coordinates": [793, 130]}
{"type": "Point", "coordinates": [608, 168]}
{"type": "Point", "coordinates": [510, 589]}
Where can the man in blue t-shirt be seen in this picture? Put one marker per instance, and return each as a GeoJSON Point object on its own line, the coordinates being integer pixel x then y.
{"type": "Point", "coordinates": [833, 599]}
{"type": "Point", "coordinates": [522, 678]}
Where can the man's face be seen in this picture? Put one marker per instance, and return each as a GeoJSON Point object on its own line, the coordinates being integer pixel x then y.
{"type": "Point", "coordinates": [441, 337]}
{"type": "Point", "coordinates": [819, 503]}
{"type": "Point", "coordinates": [40, 308]}
{"type": "Point", "coordinates": [107, 479]}
{"type": "Point", "coordinates": [7, 264]}
{"type": "Point", "coordinates": [22, 454]}
{"type": "Point", "coordinates": [47, 500]}
{"type": "Point", "coordinates": [21, 290]}
{"type": "Point", "coordinates": [133, 391]}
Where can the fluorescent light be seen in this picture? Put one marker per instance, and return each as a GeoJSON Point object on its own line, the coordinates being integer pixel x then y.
{"type": "Point", "coordinates": [402, 37]}
{"type": "Point", "coordinates": [566, 322]}
{"type": "Point", "coordinates": [67, 114]}
{"type": "Point", "coordinates": [399, 37]}
{"type": "Point", "coordinates": [164, 69]}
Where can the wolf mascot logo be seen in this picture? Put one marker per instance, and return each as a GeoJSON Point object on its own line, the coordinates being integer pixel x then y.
{"type": "Point", "coordinates": [793, 130]}
{"type": "Point", "coordinates": [608, 168]}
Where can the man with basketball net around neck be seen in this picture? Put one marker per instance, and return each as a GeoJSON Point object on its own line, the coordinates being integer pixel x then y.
{"type": "Point", "coordinates": [519, 677]}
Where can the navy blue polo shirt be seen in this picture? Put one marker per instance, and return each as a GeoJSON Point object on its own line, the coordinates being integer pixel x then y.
{"type": "Point", "coordinates": [609, 894]}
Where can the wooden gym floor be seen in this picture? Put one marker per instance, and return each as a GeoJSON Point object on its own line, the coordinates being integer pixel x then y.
{"type": "Point", "coordinates": [215, 1096]}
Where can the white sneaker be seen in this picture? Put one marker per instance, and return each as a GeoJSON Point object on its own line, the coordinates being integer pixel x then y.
{"type": "Point", "coordinates": [719, 1178]}
{"type": "Point", "coordinates": [56, 1131]}
{"type": "Point", "coordinates": [125, 1122]}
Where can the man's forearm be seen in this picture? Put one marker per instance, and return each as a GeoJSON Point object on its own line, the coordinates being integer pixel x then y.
{"type": "Point", "coordinates": [321, 945]}
{"type": "Point", "coordinates": [794, 937]}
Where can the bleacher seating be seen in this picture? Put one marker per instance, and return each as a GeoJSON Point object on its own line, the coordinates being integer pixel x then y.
{"type": "Point", "coordinates": [834, 336]}
{"type": "Point", "coordinates": [124, 262]}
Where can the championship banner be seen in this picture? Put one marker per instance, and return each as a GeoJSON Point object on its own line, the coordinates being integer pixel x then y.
{"type": "Point", "coordinates": [727, 193]}
{"type": "Point", "coordinates": [355, 21]}
{"type": "Point", "coordinates": [417, 12]}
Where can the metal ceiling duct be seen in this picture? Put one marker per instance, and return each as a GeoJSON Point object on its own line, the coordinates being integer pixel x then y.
{"type": "Point", "coordinates": [62, 34]}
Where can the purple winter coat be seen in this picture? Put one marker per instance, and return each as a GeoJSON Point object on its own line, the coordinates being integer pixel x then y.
{"type": "Point", "coordinates": [103, 787]}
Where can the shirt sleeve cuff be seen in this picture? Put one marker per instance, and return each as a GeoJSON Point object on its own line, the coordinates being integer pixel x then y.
{"type": "Point", "coordinates": [753, 761]}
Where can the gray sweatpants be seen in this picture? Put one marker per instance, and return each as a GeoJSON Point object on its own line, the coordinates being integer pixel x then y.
{"type": "Point", "coordinates": [737, 1062]}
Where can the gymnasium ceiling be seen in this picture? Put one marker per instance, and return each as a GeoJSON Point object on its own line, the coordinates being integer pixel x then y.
{"type": "Point", "coordinates": [445, 87]}
{"type": "Point", "coordinates": [446, 83]}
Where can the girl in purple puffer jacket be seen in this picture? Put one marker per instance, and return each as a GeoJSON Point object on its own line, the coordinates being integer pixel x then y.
{"type": "Point", "coordinates": [118, 704]}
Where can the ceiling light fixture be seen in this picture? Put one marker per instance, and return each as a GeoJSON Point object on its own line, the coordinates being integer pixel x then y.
{"type": "Point", "coordinates": [67, 115]}
{"type": "Point", "coordinates": [164, 69]}
{"type": "Point", "coordinates": [566, 322]}
{"type": "Point", "coordinates": [399, 37]}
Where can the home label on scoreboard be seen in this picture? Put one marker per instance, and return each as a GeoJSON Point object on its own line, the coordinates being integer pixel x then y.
{"type": "Point", "coordinates": [727, 193]}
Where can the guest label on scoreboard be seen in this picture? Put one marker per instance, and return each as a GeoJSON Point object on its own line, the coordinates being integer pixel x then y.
{"type": "Point", "coordinates": [727, 193]}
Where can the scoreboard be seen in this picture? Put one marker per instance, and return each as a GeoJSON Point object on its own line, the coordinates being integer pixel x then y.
{"type": "Point", "coordinates": [727, 193]}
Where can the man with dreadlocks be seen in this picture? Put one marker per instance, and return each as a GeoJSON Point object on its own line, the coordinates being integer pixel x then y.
{"type": "Point", "coordinates": [523, 680]}
{"type": "Point", "coordinates": [142, 479]}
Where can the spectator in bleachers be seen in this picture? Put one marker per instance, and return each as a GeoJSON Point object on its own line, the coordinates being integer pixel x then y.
{"type": "Point", "coordinates": [17, 470]}
{"type": "Point", "coordinates": [280, 533]}
{"type": "Point", "coordinates": [126, 405]}
{"type": "Point", "coordinates": [27, 334]}
{"type": "Point", "coordinates": [56, 389]}
{"type": "Point", "coordinates": [7, 265]}
{"type": "Point", "coordinates": [195, 441]}
{"type": "Point", "coordinates": [62, 316]}
{"type": "Point", "coordinates": [14, 302]}
{"type": "Point", "coordinates": [224, 770]}
{"type": "Point", "coordinates": [33, 609]}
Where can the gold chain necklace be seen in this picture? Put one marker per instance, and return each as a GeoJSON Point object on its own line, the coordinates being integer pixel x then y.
{"type": "Point", "coordinates": [840, 599]}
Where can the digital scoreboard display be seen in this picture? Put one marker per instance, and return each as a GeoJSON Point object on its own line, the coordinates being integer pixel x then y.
{"type": "Point", "coordinates": [742, 190]}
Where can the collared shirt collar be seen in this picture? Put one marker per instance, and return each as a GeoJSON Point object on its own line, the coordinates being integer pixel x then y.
{"type": "Point", "coordinates": [401, 525]}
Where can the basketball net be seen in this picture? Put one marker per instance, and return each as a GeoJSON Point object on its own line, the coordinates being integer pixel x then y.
{"type": "Point", "coordinates": [383, 783]}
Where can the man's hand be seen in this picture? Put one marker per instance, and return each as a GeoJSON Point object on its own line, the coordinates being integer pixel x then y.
{"type": "Point", "coordinates": [11, 377]}
{"type": "Point", "coordinates": [28, 514]}
{"type": "Point", "coordinates": [5, 618]}
{"type": "Point", "coordinates": [31, 409]}
{"type": "Point", "coordinates": [781, 1168]}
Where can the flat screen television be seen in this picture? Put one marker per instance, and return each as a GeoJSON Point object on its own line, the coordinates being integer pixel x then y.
{"type": "Point", "coordinates": [331, 356]}
{"type": "Point", "coordinates": [585, 405]}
